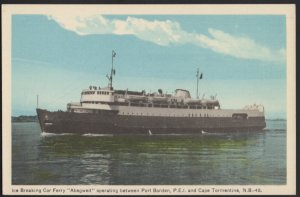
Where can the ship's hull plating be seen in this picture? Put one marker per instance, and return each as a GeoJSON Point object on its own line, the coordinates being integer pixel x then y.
{"type": "Point", "coordinates": [108, 122]}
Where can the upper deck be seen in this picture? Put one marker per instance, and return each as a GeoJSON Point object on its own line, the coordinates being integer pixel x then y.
{"type": "Point", "coordinates": [181, 99]}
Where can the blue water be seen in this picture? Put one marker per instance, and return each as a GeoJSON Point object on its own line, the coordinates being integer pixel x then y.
{"type": "Point", "coordinates": [209, 159]}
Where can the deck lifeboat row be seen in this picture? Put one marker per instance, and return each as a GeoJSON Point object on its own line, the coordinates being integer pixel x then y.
{"type": "Point", "coordinates": [181, 96]}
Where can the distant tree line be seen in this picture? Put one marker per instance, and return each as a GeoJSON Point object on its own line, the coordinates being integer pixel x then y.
{"type": "Point", "coordinates": [24, 119]}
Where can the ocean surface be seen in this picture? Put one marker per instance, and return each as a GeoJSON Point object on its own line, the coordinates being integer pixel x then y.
{"type": "Point", "coordinates": [208, 159]}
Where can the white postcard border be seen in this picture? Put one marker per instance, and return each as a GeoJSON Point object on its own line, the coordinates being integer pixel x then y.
{"type": "Point", "coordinates": [281, 9]}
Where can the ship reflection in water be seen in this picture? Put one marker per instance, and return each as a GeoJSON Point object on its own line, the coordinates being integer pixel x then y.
{"type": "Point", "coordinates": [223, 159]}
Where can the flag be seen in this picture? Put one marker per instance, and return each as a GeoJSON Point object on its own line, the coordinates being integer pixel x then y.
{"type": "Point", "coordinates": [114, 53]}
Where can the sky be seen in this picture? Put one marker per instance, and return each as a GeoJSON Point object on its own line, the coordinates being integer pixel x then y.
{"type": "Point", "coordinates": [242, 57]}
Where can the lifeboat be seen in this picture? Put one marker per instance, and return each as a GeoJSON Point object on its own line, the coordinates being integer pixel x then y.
{"type": "Point", "coordinates": [212, 102]}
{"type": "Point", "coordinates": [209, 102]}
{"type": "Point", "coordinates": [193, 101]}
{"type": "Point", "coordinates": [158, 99]}
{"type": "Point", "coordinates": [135, 97]}
{"type": "Point", "coordinates": [204, 102]}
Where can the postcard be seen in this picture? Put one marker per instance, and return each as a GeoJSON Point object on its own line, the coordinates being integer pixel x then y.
{"type": "Point", "coordinates": [149, 99]}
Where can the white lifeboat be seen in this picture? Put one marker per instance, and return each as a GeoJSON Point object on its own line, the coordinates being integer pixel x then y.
{"type": "Point", "coordinates": [158, 99]}
{"type": "Point", "coordinates": [192, 101]}
{"type": "Point", "coordinates": [135, 97]}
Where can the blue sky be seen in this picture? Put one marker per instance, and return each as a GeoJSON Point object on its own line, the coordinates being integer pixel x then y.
{"type": "Point", "coordinates": [242, 57]}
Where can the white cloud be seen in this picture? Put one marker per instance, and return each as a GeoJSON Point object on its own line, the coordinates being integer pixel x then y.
{"type": "Point", "coordinates": [168, 32]}
{"type": "Point", "coordinates": [239, 47]}
{"type": "Point", "coordinates": [83, 24]}
{"type": "Point", "coordinates": [159, 32]}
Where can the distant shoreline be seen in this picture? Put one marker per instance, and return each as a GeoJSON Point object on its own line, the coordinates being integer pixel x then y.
{"type": "Point", "coordinates": [24, 118]}
{"type": "Point", "coordinates": [276, 119]}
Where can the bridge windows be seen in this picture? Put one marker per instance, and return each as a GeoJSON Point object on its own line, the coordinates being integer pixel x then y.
{"type": "Point", "coordinates": [88, 92]}
{"type": "Point", "coordinates": [104, 93]}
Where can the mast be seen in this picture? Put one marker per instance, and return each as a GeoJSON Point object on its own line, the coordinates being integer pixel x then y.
{"type": "Point", "coordinates": [112, 71]}
{"type": "Point", "coordinates": [199, 76]}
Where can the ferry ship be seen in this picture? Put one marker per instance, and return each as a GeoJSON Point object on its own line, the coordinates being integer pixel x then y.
{"type": "Point", "coordinates": [117, 112]}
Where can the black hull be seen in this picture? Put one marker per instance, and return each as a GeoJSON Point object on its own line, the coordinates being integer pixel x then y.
{"type": "Point", "coordinates": [108, 122]}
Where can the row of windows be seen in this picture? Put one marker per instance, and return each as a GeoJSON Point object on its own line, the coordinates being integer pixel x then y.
{"type": "Point", "coordinates": [167, 105]}
{"type": "Point", "coordinates": [152, 114]}
{"type": "Point", "coordinates": [147, 114]}
{"type": "Point", "coordinates": [173, 115]}
{"type": "Point", "coordinates": [88, 92]}
{"type": "Point", "coordinates": [94, 102]}
{"type": "Point", "coordinates": [104, 93]}
{"type": "Point", "coordinates": [98, 92]}
{"type": "Point", "coordinates": [149, 105]}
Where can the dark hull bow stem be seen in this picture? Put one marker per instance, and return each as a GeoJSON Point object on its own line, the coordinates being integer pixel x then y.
{"type": "Point", "coordinates": [108, 122]}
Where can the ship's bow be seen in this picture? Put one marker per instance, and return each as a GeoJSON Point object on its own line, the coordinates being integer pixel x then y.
{"type": "Point", "coordinates": [41, 113]}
